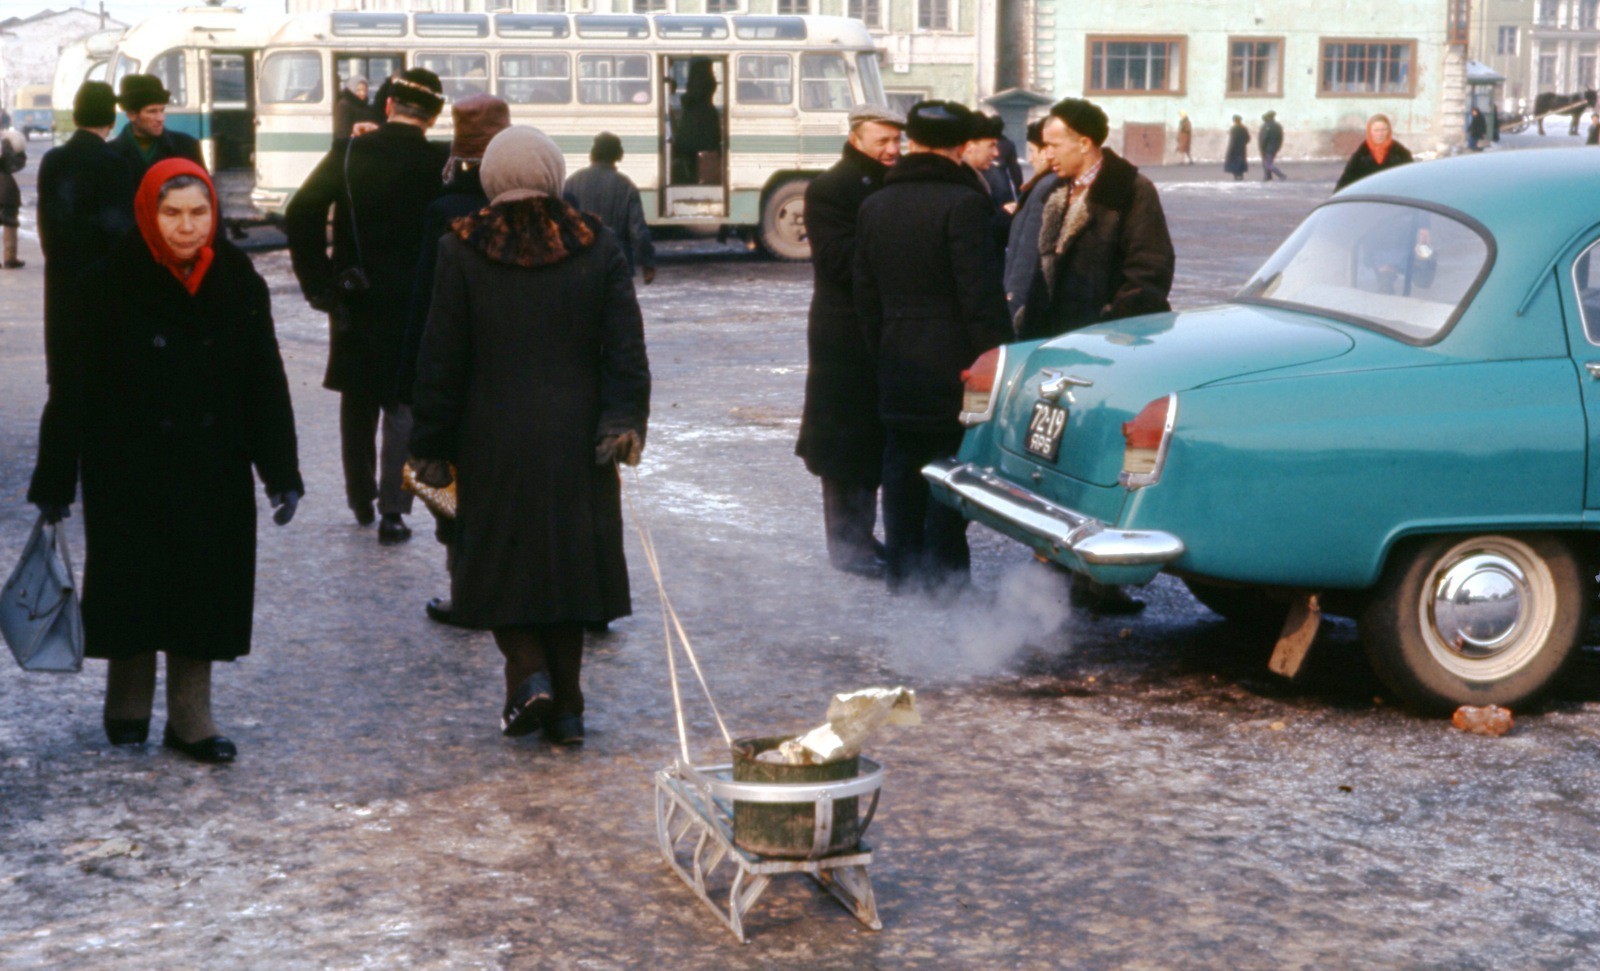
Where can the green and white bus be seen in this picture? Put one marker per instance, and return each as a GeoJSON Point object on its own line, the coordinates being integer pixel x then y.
{"type": "Point", "coordinates": [782, 119]}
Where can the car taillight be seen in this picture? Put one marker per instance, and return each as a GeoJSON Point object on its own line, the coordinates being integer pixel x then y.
{"type": "Point", "coordinates": [1147, 438]}
{"type": "Point", "coordinates": [978, 386]}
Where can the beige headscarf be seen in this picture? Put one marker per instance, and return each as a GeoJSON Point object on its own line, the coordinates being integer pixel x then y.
{"type": "Point", "coordinates": [522, 163]}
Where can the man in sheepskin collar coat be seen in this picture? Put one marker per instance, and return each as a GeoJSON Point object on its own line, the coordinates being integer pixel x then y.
{"type": "Point", "coordinates": [1104, 250]}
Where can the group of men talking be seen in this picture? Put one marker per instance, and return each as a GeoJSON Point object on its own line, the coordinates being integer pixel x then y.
{"type": "Point", "coordinates": [923, 261]}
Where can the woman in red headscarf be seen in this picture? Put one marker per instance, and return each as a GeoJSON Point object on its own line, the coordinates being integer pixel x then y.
{"type": "Point", "coordinates": [172, 390]}
{"type": "Point", "coordinates": [1378, 153]}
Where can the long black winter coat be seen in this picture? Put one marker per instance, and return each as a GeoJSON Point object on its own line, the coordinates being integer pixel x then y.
{"type": "Point", "coordinates": [395, 172]}
{"type": "Point", "coordinates": [927, 288]}
{"type": "Point", "coordinates": [1235, 163]}
{"type": "Point", "coordinates": [85, 207]}
{"type": "Point", "coordinates": [166, 401]}
{"type": "Point", "coordinates": [1362, 164]}
{"type": "Point", "coordinates": [534, 351]}
{"type": "Point", "coordinates": [1116, 260]}
{"type": "Point", "coordinates": [841, 436]}
{"type": "Point", "coordinates": [602, 190]}
{"type": "Point", "coordinates": [462, 196]}
{"type": "Point", "coordinates": [171, 144]}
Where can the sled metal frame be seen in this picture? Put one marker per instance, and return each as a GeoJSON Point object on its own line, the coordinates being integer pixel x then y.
{"type": "Point", "coordinates": [694, 813]}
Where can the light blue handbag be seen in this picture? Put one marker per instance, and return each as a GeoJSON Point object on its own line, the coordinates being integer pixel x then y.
{"type": "Point", "coordinates": [39, 613]}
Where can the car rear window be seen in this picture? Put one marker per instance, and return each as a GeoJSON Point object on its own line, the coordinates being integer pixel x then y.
{"type": "Point", "coordinates": [1402, 269]}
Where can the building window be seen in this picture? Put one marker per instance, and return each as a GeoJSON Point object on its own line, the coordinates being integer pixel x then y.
{"type": "Point", "coordinates": [1255, 66]}
{"type": "Point", "coordinates": [1367, 67]}
{"type": "Point", "coordinates": [1507, 41]}
{"type": "Point", "coordinates": [935, 14]}
{"type": "Point", "coordinates": [1130, 65]}
{"type": "Point", "coordinates": [1549, 13]}
{"type": "Point", "coordinates": [869, 12]}
{"type": "Point", "coordinates": [1547, 67]}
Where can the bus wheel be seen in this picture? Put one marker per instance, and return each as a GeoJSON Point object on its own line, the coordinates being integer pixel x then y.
{"type": "Point", "coordinates": [783, 222]}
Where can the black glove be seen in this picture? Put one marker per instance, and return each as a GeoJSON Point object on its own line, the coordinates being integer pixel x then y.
{"type": "Point", "coordinates": [285, 503]}
{"type": "Point", "coordinates": [434, 473]}
{"type": "Point", "coordinates": [52, 513]}
{"type": "Point", "coordinates": [626, 448]}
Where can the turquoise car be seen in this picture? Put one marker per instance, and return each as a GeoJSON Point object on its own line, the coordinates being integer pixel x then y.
{"type": "Point", "coordinates": [1397, 419]}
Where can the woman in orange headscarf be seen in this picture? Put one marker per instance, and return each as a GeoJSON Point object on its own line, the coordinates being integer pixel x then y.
{"type": "Point", "coordinates": [1376, 154]}
{"type": "Point", "coordinates": [165, 393]}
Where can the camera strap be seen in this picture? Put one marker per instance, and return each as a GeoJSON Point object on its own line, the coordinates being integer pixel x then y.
{"type": "Point", "coordinates": [355, 229]}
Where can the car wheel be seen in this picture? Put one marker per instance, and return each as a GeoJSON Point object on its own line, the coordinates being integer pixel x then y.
{"type": "Point", "coordinates": [1244, 605]}
{"type": "Point", "coordinates": [1476, 621]}
{"type": "Point", "coordinates": [783, 222]}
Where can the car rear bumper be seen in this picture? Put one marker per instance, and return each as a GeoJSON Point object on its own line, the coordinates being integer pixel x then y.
{"type": "Point", "coordinates": [1079, 542]}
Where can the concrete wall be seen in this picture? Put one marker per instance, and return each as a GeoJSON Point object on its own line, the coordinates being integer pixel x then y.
{"type": "Point", "coordinates": [1315, 125]}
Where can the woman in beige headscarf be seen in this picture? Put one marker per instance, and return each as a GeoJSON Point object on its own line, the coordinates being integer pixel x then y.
{"type": "Point", "coordinates": [533, 383]}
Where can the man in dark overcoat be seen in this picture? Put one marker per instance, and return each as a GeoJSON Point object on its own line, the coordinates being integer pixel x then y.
{"type": "Point", "coordinates": [366, 285]}
{"type": "Point", "coordinates": [147, 140]}
{"type": "Point", "coordinates": [841, 436]}
{"type": "Point", "coordinates": [927, 288]}
{"type": "Point", "coordinates": [602, 190]}
{"type": "Point", "coordinates": [85, 207]}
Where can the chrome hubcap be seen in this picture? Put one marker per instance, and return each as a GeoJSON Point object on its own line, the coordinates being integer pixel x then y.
{"type": "Point", "coordinates": [1488, 608]}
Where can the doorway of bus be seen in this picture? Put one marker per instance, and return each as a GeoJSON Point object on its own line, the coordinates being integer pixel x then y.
{"type": "Point", "coordinates": [694, 136]}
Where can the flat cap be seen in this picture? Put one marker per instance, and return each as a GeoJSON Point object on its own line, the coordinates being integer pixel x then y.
{"type": "Point", "coordinates": [882, 114]}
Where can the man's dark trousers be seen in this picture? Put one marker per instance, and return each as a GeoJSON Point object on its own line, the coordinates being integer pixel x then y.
{"type": "Point", "coordinates": [926, 539]}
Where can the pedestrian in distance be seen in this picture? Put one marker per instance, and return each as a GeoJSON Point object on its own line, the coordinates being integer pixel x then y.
{"type": "Point", "coordinates": [147, 140]}
{"type": "Point", "coordinates": [602, 190]}
{"type": "Point", "coordinates": [167, 392]}
{"type": "Point", "coordinates": [928, 293]}
{"type": "Point", "coordinates": [1477, 130]}
{"type": "Point", "coordinates": [351, 107]}
{"type": "Point", "coordinates": [1185, 137]}
{"type": "Point", "coordinates": [1377, 153]}
{"type": "Point", "coordinates": [1271, 135]}
{"type": "Point", "coordinates": [476, 120]}
{"type": "Point", "coordinates": [1235, 162]}
{"type": "Point", "coordinates": [378, 186]}
{"type": "Point", "coordinates": [1105, 254]}
{"type": "Point", "coordinates": [1022, 245]}
{"type": "Point", "coordinates": [13, 159]}
{"type": "Point", "coordinates": [841, 435]}
{"type": "Point", "coordinates": [85, 207]}
{"type": "Point", "coordinates": [534, 384]}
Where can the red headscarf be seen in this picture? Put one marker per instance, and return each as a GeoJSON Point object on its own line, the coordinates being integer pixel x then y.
{"type": "Point", "coordinates": [148, 200]}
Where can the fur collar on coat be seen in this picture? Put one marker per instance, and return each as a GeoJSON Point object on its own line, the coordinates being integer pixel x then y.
{"type": "Point", "coordinates": [1061, 224]}
{"type": "Point", "coordinates": [528, 232]}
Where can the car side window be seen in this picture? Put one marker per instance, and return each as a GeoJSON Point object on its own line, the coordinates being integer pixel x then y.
{"type": "Point", "coordinates": [1586, 283]}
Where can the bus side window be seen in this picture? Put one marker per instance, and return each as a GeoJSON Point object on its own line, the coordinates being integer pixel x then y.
{"type": "Point", "coordinates": [824, 83]}
{"type": "Point", "coordinates": [613, 79]}
{"type": "Point", "coordinates": [535, 79]}
{"type": "Point", "coordinates": [765, 79]}
{"type": "Point", "coordinates": [169, 69]}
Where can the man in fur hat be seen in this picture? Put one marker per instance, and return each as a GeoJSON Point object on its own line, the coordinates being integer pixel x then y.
{"type": "Point", "coordinates": [928, 294]}
{"type": "Point", "coordinates": [365, 286]}
{"type": "Point", "coordinates": [147, 139]}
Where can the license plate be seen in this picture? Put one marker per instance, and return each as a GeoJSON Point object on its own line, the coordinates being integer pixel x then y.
{"type": "Point", "coordinates": [1044, 430]}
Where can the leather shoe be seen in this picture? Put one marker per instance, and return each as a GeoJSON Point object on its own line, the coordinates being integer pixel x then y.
{"type": "Point", "coordinates": [127, 731]}
{"type": "Point", "coordinates": [392, 530]}
{"type": "Point", "coordinates": [215, 750]}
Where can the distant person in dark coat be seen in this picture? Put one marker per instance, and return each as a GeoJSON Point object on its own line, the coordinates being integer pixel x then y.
{"type": "Point", "coordinates": [394, 173]}
{"type": "Point", "coordinates": [147, 140]}
{"type": "Point", "coordinates": [13, 158]}
{"type": "Point", "coordinates": [533, 382]}
{"type": "Point", "coordinates": [1379, 152]}
{"type": "Point", "coordinates": [602, 190]}
{"type": "Point", "coordinates": [1271, 144]}
{"type": "Point", "coordinates": [1234, 162]}
{"type": "Point", "coordinates": [928, 293]}
{"type": "Point", "coordinates": [169, 391]}
{"type": "Point", "coordinates": [85, 208]}
{"type": "Point", "coordinates": [841, 435]}
{"type": "Point", "coordinates": [1477, 130]}
{"type": "Point", "coordinates": [477, 119]}
{"type": "Point", "coordinates": [1022, 246]}
{"type": "Point", "coordinates": [351, 107]}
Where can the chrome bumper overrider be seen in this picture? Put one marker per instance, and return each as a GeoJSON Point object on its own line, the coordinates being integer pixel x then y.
{"type": "Point", "coordinates": [1068, 537]}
